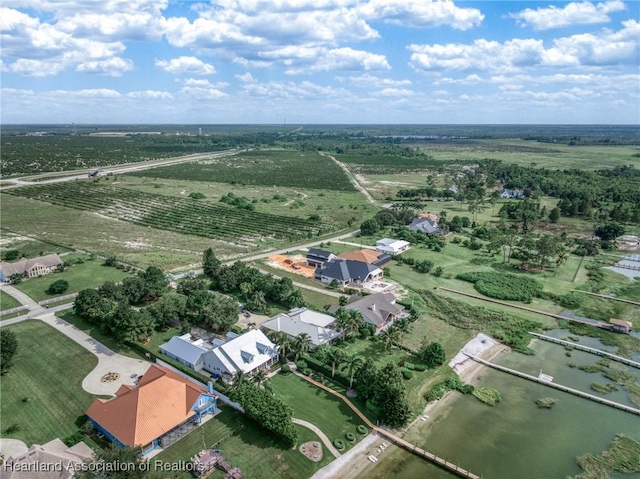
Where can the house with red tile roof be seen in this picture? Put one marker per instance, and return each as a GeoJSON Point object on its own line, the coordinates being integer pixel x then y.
{"type": "Point", "coordinates": [159, 410]}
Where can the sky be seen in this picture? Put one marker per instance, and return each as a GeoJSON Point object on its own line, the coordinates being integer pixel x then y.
{"type": "Point", "coordinates": [320, 62]}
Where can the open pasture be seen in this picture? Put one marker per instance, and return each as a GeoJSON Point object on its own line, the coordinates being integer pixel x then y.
{"type": "Point", "coordinates": [180, 215]}
{"type": "Point", "coordinates": [386, 164]}
{"type": "Point", "coordinates": [288, 168]}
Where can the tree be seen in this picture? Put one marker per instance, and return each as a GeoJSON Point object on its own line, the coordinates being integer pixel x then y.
{"type": "Point", "coordinates": [16, 278]}
{"type": "Point", "coordinates": [561, 258]}
{"type": "Point", "coordinates": [301, 345]}
{"type": "Point", "coordinates": [260, 377]}
{"type": "Point", "coordinates": [390, 336]}
{"type": "Point", "coordinates": [295, 299]}
{"type": "Point", "coordinates": [126, 463]}
{"type": "Point", "coordinates": [391, 397]}
{"type": "Point", "coordinates": [11, 255]}
{"type": "Point", "coordinates": [554, 215]}
{"type": "Point", "coordinates": [547, 247]}
{"type": "Point", "coordinates": [343, 300]}
{"type": "Point", "coordinates": [58, 287]}
{"type": "Point", "coordinates": [370, 227]}
{"type": "Point", "coordinates": [423, 266]}
{"type": "Point", "coordinates": [170, 309]}
{"type": "Point", "coordinates": [284, 345]}
{"type": "Point", "coordinates": [609, 231]}
{"type": "Point", "coordinates": [155, 283]}
{"type": "Point", "coordinates": [210, 263]}
{"type": "Point", "coordinates": [336, 357]}
{"type": "Point", "coordinates": [434, 355]}
{"type": "Point", "coordinates": [365, 379]}
{"type": "Point", "coordinates": [213, 309]}
{"type": "Point", "coordinates": [8, 349]}
{"type": "Point", "coordinates": [352, 364]}
{"type": "Point", "coordinates": [189, 285]}
{"type": "Point", "coordinates": [257, 301]}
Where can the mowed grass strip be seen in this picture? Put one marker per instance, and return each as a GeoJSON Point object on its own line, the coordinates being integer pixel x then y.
{"type": "Point", "coordinates": [312, 404]}
{"type": "Point", "coordinates": [290, 168]}
{"type": "Point", "coordinates": [244, 444]}
{"type": "Point", "coordinates": [90, 274]}
{"type": "Point", "coordinates": [48, 370]}
{"type": "Point", "coordinates": [7, 301]}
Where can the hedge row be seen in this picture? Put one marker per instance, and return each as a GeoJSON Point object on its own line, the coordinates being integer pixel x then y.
{"type": "Point", "coordinates": [324, 369]}
{"type": "Point", "coordinates": [504, 286]}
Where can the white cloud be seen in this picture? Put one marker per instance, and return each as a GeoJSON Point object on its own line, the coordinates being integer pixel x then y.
{"type": "Point", "coordinates": [349, 59]}
{"type": "Point", "coordinates": [111, 67]}
{"type": "Point", "coordinates": [246, 78]}
{"type": "Point", "coordinates": [574, 13]}
{"type": "Point", "coordinates": [395, 92]}
{"type": "Point", "coordinates": [150, 94]}
{"type": "Point", "coordinates": [370, 81]}
{"type": "Point", "coordinates": [604, 48]}
{"type": "Point", "coordinates": [203, 89]}
{"type": "Point", "coordinates": [423, 13]}
{"type": "Point", "coordinates": [186, 64]}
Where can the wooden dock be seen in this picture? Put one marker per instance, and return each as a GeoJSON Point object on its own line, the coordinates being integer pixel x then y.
{"type": "Point", "coordinates": [450, 466]}
{"type": "Point", "coordinates": [560, 387]}
{"type": "Point", "coordinates": [604, 296]}
{"type": "Point", "coordinates": [599, 352]}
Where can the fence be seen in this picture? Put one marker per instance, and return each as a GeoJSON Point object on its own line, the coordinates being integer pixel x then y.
{"type": "Point", "coordinates": [57, 299]}
{"type": "Point", "coordinates": [13, 310]}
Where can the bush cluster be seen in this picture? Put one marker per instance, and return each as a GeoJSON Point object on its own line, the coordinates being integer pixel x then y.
{"type": "Point", "coordinates": [504, 286]}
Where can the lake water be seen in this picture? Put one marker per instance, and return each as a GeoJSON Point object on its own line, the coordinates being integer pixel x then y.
{"type": "Point", "coordinates": [516, 439]}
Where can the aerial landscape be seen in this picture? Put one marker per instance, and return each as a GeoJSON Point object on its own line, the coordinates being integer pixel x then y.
{"type": "Point", "coordinates": [337, 239]}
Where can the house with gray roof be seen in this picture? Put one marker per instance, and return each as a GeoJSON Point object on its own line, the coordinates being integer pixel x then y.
{"type": "Point", "coordinates": [247, 352]}
{"type": "Point", "coordinates": [426, 226]}
{"type": "Point", "coordinates": [318, 257]}
{"type": "Point", "coordinates": [302, 320]}
{"type": "Point", "coordinates": [61, 459]}
{"type": "Point", "coordinates": [186, 351]}
{"type": "Point", "coordinates": [31, 267]}
{"type": "Point", "coordinates": [379, 310]}
{"type": "Point", "coordinates": [348, 272]}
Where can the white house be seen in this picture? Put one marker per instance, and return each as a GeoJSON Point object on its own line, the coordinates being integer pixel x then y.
{"type": "Point", "coordinates": [392, 246]}
{"type": "Point", "coordinates": [247, 352]}
{"type": "Point", "coordinates": [302, 320]}
{"type": "Point", "coordinates": [186, 351]}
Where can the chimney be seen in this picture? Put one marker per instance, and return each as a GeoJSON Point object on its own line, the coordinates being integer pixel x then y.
{"type": "Point", "coordinates": [373, 307]}
{"type": "Point", "coordinates": [210, 387]}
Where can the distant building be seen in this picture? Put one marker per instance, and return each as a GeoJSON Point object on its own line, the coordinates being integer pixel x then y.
{"type": "Point", "coordinates": [367, 256]}
{"type": "Point", "coordinates": [56, 453]}
{"type": "Point", "coordinates": [186, 351]}
{"type": "Point", "coordinates": [318, 257]}
{"type": "Point", "coordinates": [426, 226]}
{"type": "Point", "coordinates": [348, 272]}
{"type": "Point", "coordinates": [392, 246]}
{"type": "Point", "coordinates": [31, 268]}
{"type": "Point", "coordinates": [162, 408]}
{"type": "Point", "coordinates": [302, 320]}
{"type": "Point", "coordinates": [515, 193]}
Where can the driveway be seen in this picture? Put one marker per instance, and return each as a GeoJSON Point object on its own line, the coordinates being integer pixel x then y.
{"type": "Point", "coordinates": [20, 296]}
{"type": "Point", "coordinates": [12, 447]}
{"type": "Point", "coordinates": [108, 360]}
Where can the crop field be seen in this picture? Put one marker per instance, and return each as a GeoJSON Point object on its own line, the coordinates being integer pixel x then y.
{"type": "Point", "coordinates": [385, 164]}
{"type": "Point", "coordinates": [180, 215]}
{"type": "Point", "coordinates": [36, 154]}
{"type": "Point", "coordinates": [287, 168]}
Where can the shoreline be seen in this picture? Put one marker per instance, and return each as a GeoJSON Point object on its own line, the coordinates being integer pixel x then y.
{"type": "Point", "coordinates": [355, 464]}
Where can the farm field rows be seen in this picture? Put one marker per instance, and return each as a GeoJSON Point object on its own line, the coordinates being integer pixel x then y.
{"type": "Point", "coordinates": [181, 215]}
{"type": "Point", "coordinates": [288, 168]}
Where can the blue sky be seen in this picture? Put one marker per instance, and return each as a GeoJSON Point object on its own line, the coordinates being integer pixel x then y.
{"type": "Point", "coordinates": [320, 61]}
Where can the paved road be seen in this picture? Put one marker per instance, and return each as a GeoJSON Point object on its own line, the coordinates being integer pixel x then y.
{"type": "Point", "coordinates": [73, 175]}
{"type": "Point", "coordinates": [108, 360]}
{"type": "Point", "coordinates": [320, 434]}
{"type": "Point", "coordinates": [21, 297]}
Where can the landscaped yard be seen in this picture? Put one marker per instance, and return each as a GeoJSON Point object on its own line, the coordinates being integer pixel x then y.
{"type": "Point", "coordinates": [42, 393]}
{"type": "Point", "coordinates": [312, 404]}
{"type": "Point", "coordinates": [246, 445]}
{"type": "Point", "coordinates": [7, 301]}
{"type": "Point", "coordinates": [90, 274]}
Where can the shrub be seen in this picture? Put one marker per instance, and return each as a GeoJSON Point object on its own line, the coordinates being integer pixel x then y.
{"type": "Point", "coordinates": [285, 369]}
{"type": "Point", "coordinates": [11, 255]}
{"type": "Point", "coordinates": [14, 428]}
{"type": "Point", "coordinates": [197, 195]}
{"type": "Point", "coordinates": [546, 403]}
{"type": "Point", "coordinates": [301, 364]}
{"type": "Point", "coordinates": [339, 444]}
{"type": "Point", "coordinates": [58, 287]}
{"type": "Point", "coordinates": [488, 396]}
{"type": "Point", "coordinates": [407, 374]}
{"type": "Point", "coordinates": [307, 372]}
{"type": "Point", "coordinates": [504, 286]}
{"type": "Point", "coordinates": [350, 437]}
{"type": "Point", "coordinates": [372, 407]}
{"type": "Point", "coordinates": [73, 439]}
{"type": "Point", "coordinates": [420, 367]}
{"type": "Point", "coordinates": [409, 365]}
{"type": "Point", "coordinates": [362, 429]}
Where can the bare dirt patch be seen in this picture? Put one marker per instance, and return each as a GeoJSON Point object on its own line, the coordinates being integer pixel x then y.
{"type": "Point", "coordinates": [312, 450]}
{"type": "Point", "coordinates": [293, 263]}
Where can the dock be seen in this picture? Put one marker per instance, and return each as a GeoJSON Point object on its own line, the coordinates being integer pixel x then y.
{"type": "Point", "coordinates": [599, 352]}
{"type": "Point", "coordinates": [560, 387]}
{"type": "Point", "coordinates": [450, 466]}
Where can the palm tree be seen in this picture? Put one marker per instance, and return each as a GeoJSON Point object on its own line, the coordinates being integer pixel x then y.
{"type": "Point", "coordinates": [404, 327]}
{"type": "Point", "coordinates": [284, 344]}
{"type": "Point", "coordinates": [336, 357]}
{"type": "Point", "coordinates": [352, 364]}
{"type": "Point", "coordinates": [389, 336]}
{"type": "Point", "coordinates": [343, 300]}
{"type": "Point", "coordinates": [260, 377]}
{"type": "Point", "coordinates": [239, 378]}
{"type": "Point", "coordinates": [301, 345]}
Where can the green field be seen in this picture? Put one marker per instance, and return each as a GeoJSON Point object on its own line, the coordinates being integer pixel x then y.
{"type": "Point", "coordinates": [246, 445]}
{"type": "Point", "coordinates": [288, 168]}
{"type": "Point", "coordinates": [312, 404]}
{"type": "Point", "coordinates": [29, 247]}
{"type": "Point", "coordinates": [48, 371]}
{"type": "Point", "coordinates": [90, 274]}
{"type": "Point", "coordinates": [7, 301]}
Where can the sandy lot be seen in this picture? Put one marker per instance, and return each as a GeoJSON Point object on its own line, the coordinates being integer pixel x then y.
{"type": "Point", "coordinates": [278, 261]}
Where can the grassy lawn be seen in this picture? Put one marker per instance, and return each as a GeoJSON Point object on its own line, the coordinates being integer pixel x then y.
{"type": "Point", "coordinates": [317, 300]}
{"type": "Point", "coordinates": [247, 446]}
{"type": "Point", "coordinates": [48, 369]}
{"type": "Point", "coordinates": [90, 274]}
{"type": "Point", "coordinates": [7, 301]}
{"type": "Point", "coordinates": [318, 407]}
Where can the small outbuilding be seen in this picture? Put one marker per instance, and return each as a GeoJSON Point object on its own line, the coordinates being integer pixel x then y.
{"type": "Point", "coordinates": [316, 258]}
{"type": "Point", "coordinates": [620, 325]}
{"type": "Point", "coordinates": [392, 246]}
